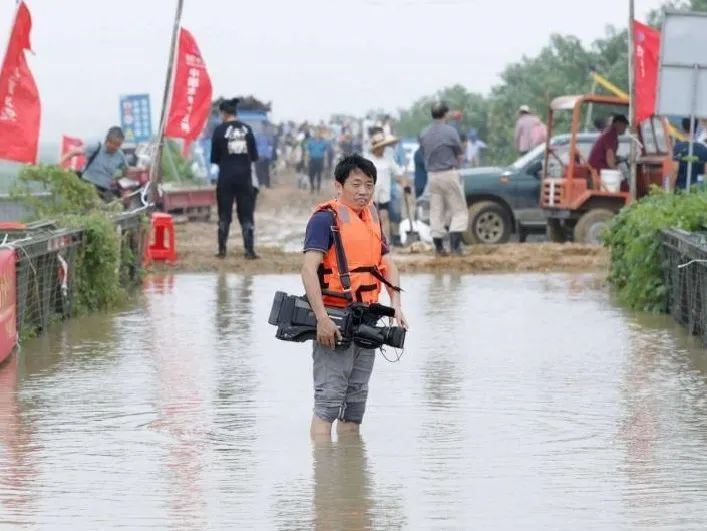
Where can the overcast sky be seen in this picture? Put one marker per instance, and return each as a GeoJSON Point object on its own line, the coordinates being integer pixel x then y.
{"type": "Point", "coordinates": [310, 57]}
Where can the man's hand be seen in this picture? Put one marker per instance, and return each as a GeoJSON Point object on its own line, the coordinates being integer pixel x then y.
{"type": "Point", "coordinates": [327, 332]}
{"type": "Point", "coordinates": [400, 317]}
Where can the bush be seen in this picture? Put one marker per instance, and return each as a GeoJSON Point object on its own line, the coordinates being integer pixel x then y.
{"type": "Point", "coordinates": [97, 267]}
{"type": "Point", "coordinates": [65, 192]}
{"type": "Point", "coordinates": [73, 203]}
{"type": "Point", "coordinates": [634, 240]}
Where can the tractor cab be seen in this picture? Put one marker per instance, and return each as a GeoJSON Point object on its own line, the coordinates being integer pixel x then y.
{"type": "Point", "coordinates": [579, 201]}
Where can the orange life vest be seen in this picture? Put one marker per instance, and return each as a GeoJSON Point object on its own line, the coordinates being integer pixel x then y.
{"type": "Point", "coordinates": [361, 242]}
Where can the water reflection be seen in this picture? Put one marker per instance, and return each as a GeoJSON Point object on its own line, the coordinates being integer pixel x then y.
{"type": "Point", "coordinates": [342, 484]}
{"type": "Point", "coordinates": [521, 398]}
{"type": "Point", "coordinates": [665, 392]}
{"type": "Point", "coordinates": [183, 412]}
{"type": "Point", "coordinates": [17, 466]}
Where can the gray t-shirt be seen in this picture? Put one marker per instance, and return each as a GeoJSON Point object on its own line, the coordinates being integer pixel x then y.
{"type": "Point", "coordinates": [104, 166]}
{"type": "Point", "coordinates": [441, 146]}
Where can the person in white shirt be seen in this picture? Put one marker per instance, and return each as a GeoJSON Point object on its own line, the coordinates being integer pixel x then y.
{"type": "Point", "coordinates": [473, 148]}
{"type": "Point", "coordinates": [387, 171]}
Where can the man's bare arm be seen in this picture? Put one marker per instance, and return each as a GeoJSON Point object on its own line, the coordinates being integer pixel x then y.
{"type": "Point", "coordinates": [392, 275]}
{"type": "Point", "coordinates": [310, 279]}
{"type": "Point", "coordinates": [70, 155]}
{"type": "Point", "coordinates": [611, 159]}
{"type": "Point", "coordinates": [327, 331]}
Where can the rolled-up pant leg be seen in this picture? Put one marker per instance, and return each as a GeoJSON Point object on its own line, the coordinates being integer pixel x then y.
{"type": "Point", "coordinates": [357, 390]}
{"type": "Point", "coordinates": [341, 382]}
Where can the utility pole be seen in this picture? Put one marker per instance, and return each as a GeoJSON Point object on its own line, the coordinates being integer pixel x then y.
{"type": "Point", "coordinates": [155, 167]}
{"type": "Point", "coordinates": [632, 99]}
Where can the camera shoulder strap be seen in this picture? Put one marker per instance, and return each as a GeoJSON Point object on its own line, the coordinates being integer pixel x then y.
{"type": "Point", "coordinates": [341, 262]}
{"type": "Point", "coordinates": [92, 157]}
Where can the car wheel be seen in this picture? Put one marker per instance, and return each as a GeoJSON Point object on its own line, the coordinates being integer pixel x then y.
{"type": "Point", "coordinates": [592, 225]}
{"type": "Point", "coordinates": [489, 223]}
{"type": "Point", "coordinates": [555, 231]}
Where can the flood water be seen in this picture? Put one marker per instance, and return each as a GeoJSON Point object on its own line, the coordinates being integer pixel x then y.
{"type": "Point", "coordinates": [522, 402]}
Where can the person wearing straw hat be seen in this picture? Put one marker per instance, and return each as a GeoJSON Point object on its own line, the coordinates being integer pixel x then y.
{"type": "Point", "coordinates": [530, 130]}
{"type": "Point", "coordinates": [388, 171]}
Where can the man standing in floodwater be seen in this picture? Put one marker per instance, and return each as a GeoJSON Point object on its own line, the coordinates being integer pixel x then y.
{"type": "Point", "coordinates": [341, 375]}
{"type": "Point", "coordinates": [233, 149]}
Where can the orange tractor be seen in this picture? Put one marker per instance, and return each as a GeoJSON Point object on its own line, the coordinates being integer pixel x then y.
{"type": "Point", "coordinates": [577, 202]}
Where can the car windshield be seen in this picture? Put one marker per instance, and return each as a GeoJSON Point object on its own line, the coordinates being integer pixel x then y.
{"type": "Point", "coordinates": [528, 157]}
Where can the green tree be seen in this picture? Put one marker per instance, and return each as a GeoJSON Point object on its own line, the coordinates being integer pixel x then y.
{"type": "Point", "coordinates": [473, 106]}
{"type": "Point", "coordinates": [562, 67]}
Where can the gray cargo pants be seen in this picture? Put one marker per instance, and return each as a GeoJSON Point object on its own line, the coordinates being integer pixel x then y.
{"type": "Point", "coordinates": [341, 382]}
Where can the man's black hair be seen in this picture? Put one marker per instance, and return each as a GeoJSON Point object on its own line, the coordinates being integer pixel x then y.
{"type": "Point", "coordinates": [229, 106]}
{"type": "Point", "coordinates": [116, 133]}
{"type": "Point", "coordinates": [619, 119]}
{"type": "Point", "coordinates": [686, 124]}
{"type": "Point", "coordinates": [439, 110]}
{"type": "Point", "coordinates": [352, 163]}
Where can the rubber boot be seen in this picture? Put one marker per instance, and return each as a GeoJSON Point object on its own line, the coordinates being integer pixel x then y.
{"type": "Point", "coordinates": [455, 243]}
{"type": "Point", "coordinates": [249, 242]}
{"type": "Point", "coordinates": [439, 247]}
{"type": "Point", "coordinates": [223, 228]}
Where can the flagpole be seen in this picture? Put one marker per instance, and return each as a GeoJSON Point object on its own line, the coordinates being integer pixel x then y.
{"type": "Point", "coordinates": [632, 98]}
{"type": "Point", "coordinates": [155, 167]}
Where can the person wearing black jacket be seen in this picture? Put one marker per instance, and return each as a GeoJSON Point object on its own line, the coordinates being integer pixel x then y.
{"type": "Point", "coordinates": [233, 149]}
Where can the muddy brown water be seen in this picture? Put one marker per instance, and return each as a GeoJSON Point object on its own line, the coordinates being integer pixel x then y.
{"type": "Point", "coordinates": [522, 402]}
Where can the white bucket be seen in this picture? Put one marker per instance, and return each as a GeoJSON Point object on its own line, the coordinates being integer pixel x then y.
{"type": "Point", "coordinates": [611, 180]}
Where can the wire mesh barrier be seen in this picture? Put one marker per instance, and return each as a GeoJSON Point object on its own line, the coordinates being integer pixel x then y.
{"type": "Point", "coordinates": [46, 259]}
{"type": "Point", "coordinates": [133, 237]}
{"type": "Point", "coordinates": [685, 270]}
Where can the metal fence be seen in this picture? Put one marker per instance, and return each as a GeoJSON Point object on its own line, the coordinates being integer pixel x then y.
{"type": "Point", "coordinates": [46, 259]}
{"type": "Point", "coordinates": [685, 270]}
{"type": "Point", "coordinates": [133, 237]}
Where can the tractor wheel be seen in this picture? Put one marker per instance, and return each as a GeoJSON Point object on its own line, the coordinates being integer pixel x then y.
{"type": "Point", "coordinates": [489, 223]}
{"type": "Point", "coordinates": [555, 231]}
{"type": "Point", "coordinates": [592, 225]}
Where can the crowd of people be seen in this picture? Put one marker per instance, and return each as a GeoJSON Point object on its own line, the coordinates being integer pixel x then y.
{"type": "Point", "coordinates": [309, 151]}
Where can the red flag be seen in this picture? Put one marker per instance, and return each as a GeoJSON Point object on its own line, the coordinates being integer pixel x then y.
{"type": "Point", "coordinates": [190, 105]}
{"type": "Point", "coordinates": [646, 44]}
{"type": "Point", "coordinates": [69, 143]}
{"type": "Point", "coordinates": [20, 109]}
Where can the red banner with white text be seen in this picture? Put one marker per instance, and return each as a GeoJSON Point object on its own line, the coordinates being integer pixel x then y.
{"type": "Point", "coordinates": [20, 109]}
{"type": "Point", "coordinates": [646, 44]}
{"type": "Point", "coordinates": [190, 104]}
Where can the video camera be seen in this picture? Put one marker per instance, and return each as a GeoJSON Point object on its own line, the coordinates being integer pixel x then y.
{"type": "Point", "coordinates": [296, 321]}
